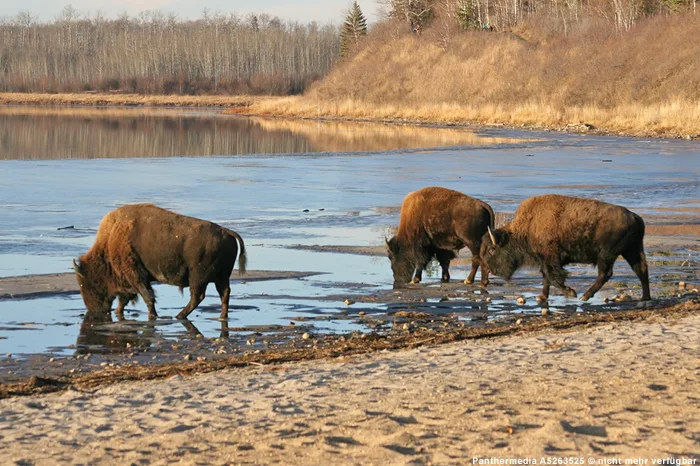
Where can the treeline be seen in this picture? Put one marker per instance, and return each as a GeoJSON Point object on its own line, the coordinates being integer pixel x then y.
{"type": "Point", "coordinates": [550, 15]}
{"type": "Point", "coordinates": [156, 53]}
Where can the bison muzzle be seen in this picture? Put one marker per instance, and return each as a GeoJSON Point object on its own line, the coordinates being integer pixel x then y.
{"type": "Point", "coordinates": [141, 243]}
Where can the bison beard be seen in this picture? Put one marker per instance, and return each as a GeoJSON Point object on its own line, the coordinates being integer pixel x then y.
{"type": "Point", "coordinates": [551, 231]}
{"type": "Point", "coordinates": [139, 244]}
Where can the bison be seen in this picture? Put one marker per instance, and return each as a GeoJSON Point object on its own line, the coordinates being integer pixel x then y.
{"type": "Point", "coordinates": [552, 231]}
{"type": "Point", "coordinates": [141, 243]}
{"type": "Point", "coordinates": [437, 222]}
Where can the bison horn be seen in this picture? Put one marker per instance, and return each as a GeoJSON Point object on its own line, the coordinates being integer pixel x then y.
{"type": "Point", "coordinates": [76, 267]}
{"type": "Point", "coordinates": [493, 238]}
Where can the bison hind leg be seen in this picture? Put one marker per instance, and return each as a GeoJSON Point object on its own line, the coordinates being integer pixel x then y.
{"type": "Point", "coordinates": [223, 286]}
{"type": "Point", "coordinates": [123, 300]}
{"type": "Point", "coordinates": [638, 261]}
{"type": "Point", "coordinates": [197, 293]}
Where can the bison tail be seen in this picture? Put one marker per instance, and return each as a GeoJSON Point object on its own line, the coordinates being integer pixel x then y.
{"type": "Point", "coordinates": [242, 258]}
{"type": "Point", "coordinates": [492, 219]}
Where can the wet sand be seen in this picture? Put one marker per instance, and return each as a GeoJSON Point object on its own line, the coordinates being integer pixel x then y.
{"type": "Point", "coordinates": [624, 390]}
{"type": "Point", "coordinates": [55, 284]}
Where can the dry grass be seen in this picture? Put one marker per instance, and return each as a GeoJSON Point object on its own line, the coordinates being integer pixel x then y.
{"type": "Point", "coordinates": [643, 82]}
{"type": "Point", "coordinates": [94, 99]}
{"type": "Point", "coordinates": [675, 119]}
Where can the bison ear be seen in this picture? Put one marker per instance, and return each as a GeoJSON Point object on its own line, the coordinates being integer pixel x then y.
{"type": "Point", "coordinates": [78, 269]}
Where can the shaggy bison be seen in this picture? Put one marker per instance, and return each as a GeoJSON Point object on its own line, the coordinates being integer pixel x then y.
{"type": "Point", "coordinates": [141, 243]}
{"type": "Point", "coordinates": [552, 231]}
{"type": "Point", "coordinates": [437, 222]}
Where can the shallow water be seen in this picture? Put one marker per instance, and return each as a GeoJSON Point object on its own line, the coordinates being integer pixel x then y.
{"type": "Point", "coordinates": [302, 195]}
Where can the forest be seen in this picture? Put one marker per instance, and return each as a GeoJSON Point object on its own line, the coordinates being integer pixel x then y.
{"type": "Point", "coordinates": [228, 53]}
{"type": "Point", "coordinates": [157, 53]}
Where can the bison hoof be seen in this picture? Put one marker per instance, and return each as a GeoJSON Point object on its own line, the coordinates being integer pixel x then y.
{"type": "Point", "coordinates": [585, 297]}
{"type": "Point", "coordinates": [468, 281]}
{"type": "Point", "coordinates": [415, 280]}
{"type": "Point", "coordinates": [445, 280]}
{"type": "Point", "coordinates": [570, 293]}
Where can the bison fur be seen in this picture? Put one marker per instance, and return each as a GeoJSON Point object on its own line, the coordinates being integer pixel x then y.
{"type": "Point", "coordinates": [551, 231]}
{"type": "Point", "coordinates": [142, 243]}
{"type": "Point", "coordinates": [437, 222]}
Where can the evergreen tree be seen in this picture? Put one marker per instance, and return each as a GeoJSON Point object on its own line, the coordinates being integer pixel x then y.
{"type": "Point", "coordinates": [467, 16]}
{"type": "Point", "coordinates": [355, 26]}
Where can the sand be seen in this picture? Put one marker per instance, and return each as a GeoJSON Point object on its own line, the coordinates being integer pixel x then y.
{"type": "Point", "coordinates": [55, 284]}
{"type": "Point", "coordinates": [622, 390]}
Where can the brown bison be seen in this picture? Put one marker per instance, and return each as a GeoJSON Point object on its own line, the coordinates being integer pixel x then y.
{"type": "Point", "coordinates": [552, 231]}
{"type": "Point", "coordinates": [141, 243]}
{"type": "Point", "coordinates": [437, 222]}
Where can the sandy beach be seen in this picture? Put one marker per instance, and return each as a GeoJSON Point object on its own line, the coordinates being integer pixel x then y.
{"type": "Point", "coordinates": [623, 390]}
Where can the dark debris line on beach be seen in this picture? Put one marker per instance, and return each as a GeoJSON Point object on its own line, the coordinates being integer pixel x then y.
{"type": "Point", "coordinates": [338, 346]}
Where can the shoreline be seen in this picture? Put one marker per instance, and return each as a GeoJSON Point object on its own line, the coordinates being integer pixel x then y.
{"type": "Point", "coordinates": [278, 107]}
{"type": "Point", "coordinates": [331, 347]}
{"type": "Point", "coordinates": [56, 284]}
{"type": "Point", "coordinates": [124, 100]}
{"type": "Point", "coordinates": [613, 390]}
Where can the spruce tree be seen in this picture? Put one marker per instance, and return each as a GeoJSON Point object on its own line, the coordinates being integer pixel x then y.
{"type": "Point", "coordinates": [355, 25]}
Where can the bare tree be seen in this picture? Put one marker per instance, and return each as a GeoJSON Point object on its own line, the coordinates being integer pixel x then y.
{"type": "Point", "coordinates": [159, 53]}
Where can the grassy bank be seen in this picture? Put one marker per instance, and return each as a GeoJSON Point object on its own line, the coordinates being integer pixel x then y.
{"type": "Point", "coordinates": [128, 100]}
{"type": "Point", "coordinates": [670, 119]}
{"type": "Point", "coordinates": [644, 81]}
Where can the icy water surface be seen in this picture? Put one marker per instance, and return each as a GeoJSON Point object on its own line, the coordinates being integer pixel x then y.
{"type": "Point", "coordinates": [299, 183]}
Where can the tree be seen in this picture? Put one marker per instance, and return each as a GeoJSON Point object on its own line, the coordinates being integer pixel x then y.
{"type": "Point", "coordinates": [354, 27]}
{"type": "Point", "coordinates": [414, 12]}
{"type": "Point", "coordinates": [468, 14]}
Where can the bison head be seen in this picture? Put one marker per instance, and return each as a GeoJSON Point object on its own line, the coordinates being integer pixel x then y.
{"type": "Point", "coordinates": [93, 290]}
{"type": "Point", "coordinates": [402, 263]}
{"type": "Point", "coordinates": [498, 254]}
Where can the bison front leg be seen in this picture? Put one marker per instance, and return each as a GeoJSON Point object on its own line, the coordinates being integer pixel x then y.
{"type": "Point", "coordinates": [197, 293]}
{"type": "Point", "coordinates": [123, 300]}
{"type": "Point", "coordinates": [418, 275]}
{"type": "Point", "coordinates": [146, 292]}
{"type": "Point", "coordinates": [484, 274]}
{"type": "Point", "coordinates": [556, 274]}
{"type": "Point", "coordinates": [419, 272]}
{"type": "Point", "coordinates": [224, 289]}
{"type": "Point", "coordinates": [605, 271]}
{"type": "Point", "coordinates": [476, 262]}
{"type": "Point", "coordinates": [444, 258]}
{"type": "Point", "coordinates": [544, 295]}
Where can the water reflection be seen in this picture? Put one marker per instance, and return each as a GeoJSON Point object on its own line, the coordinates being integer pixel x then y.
{"type": "Point", "coordinates": [99, 334]}
{"type": "Point", "coordinates": [33, 133]}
